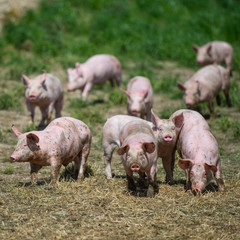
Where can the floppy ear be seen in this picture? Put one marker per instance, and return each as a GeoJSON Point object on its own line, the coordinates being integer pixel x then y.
{"type": "Point", "coordinates": [155, 120]}
{"type": "Point", "coordinates": [148, 147]}
{"type": "Point", "coordinates": [178, 120]}
{"type": "Point", "coordinates": [184, 163]}
{"type": "Point", "coordinates": [181, 87]}
{"type": "Point", "coordinates": [195, 48]}
{"type": "Point", "coordinates": [126, 92]}
{"type": "Point", "coordinates": [79, 69]}
{"type": "Point", "coordinates": [123, 150]}
{"type": "Point", "coordinates": [210, 167]}
{"type": "Point", "coordinates": [16, 131]}
{"type": "Point", "coordinates": [25, 79]}
{"type": "Point", "coordinates": [32, 140]}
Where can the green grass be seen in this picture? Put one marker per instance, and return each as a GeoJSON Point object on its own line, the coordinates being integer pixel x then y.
{"type": "Point", "coordinates": [9, 170]}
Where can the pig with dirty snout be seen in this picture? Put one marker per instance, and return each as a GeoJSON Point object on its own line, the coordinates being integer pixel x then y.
{"type": "Point", "coordinates": [44, 91]}
{"type": "Point", "coordinates": [139, 154]}
{"type": "Point", "coordinates": [215, 52]}
{"type": "Point", "coordinates": [205, 85]}
{"type": "Point", "coordinates": [199, 154]}
{"type": "Point", "coordinates": [96, 70]}
{"type": "Point", "coordinates": [166, 132]}
{"type": "Point", "coordinates": [64, 140]}
{"type": "Point", "coordinates": [139, 97]}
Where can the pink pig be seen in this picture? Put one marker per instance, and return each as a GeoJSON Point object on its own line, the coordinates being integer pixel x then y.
{"type": "Point", "coordinates": [214, 52]}
{"type": "Point", "coordinates": [199, 152]}
{"type": "Point", "coordinates": [96, 70]}
{"type": "Point", "coordinates": [46, 92]}
{"type": "Point", "coordinates": [64, 140]}
{"type": "Point", "coordinates": [139, 154]}
{"type": "Point", "coordinates": [139, 97]}
{"type": "Point", "coordinates": [205, 85]}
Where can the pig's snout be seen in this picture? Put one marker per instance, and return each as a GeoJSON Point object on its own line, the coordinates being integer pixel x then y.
{"type": "Point", "coordinates": [196, 191]}
{"type": "Point", "coordinates": [33, 96]}
{"type": "Point", "coordinates": [168, 138]}
{"type": "Point", "coordinates": [135, 167]}
{"type": "Point", "coordinates": [13, 158]}
{"type": "Point", "coordinates": [134, 112]}
{"type": "Point", "coordinates": [69, 90]}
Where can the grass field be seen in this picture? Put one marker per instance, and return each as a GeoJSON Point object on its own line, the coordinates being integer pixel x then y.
{"type": "Point", "coordinates": [150, 39]}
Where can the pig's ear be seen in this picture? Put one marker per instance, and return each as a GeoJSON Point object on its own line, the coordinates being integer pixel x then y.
{"type": "Point", "coordinates": [126, 92]}
{"type": "Point", "coordinates": [209, 48]}
{"type": "Point", "coordinates": [79, 69]}
{"type": "Point", "coordinates": [123, 150]}
{"type": "Point", "coordinates": [178, 120]}
{"type": "Point", "coordinates": [155, 120]}
{"type": "Point", "coordinates": [148, 147]}
{"type": "Point", "coordinates": [32, 140]}
{"type": "Point", "coordinates": [43, 78]}
{"type": "Point", "coordinates": [210, 167]}
{"type": "Point", "coordinates": [69, 70]}
{"type": "Point", "coordinates": [184, 163]}
{"type": "Point", "coordinates": [16, 131]}
{"type": "Point", "coordinates": [25, 79]}
{"type": "Point", "coordinates": [181, 87]}
{"type": "Point", "coordinates": [195, 47]}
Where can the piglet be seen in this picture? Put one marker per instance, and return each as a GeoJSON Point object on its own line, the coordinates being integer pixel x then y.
{"type": "Point", "coordinates": [215, 52]}
{"type": "Point", "coordinates": [139, 97]}
{"type": "Point", "coordinates": [64, 140]}
{"type": "Point", "coordinates": [46, 92]}
{"type": "Point", "coordinates": [198, 150]}
{"type": "Point", "coordinates": [205, 85]}
{"type": "Point", "coordinates": [96, 70]}
{"type": "Point", "coordinates": [139, 154]}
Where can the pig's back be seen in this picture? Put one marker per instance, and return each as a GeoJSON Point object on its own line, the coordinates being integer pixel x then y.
{"type": "Point", "coordinates": [138, 84]}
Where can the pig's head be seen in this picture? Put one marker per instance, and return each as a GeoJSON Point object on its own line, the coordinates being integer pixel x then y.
{"type": "Point", "coordinates": [200, 174]}
{"type": "Point", "coordinates": [136, 155]}
{"type": "Point", "coordinates": [204, 56]}
{"type": "Point", "coordinates": [136, 101]}
{"type": "Point", "coordinates": [166, 130]}
{"type": "Point", "coordinates": [191, 93]}
{"type": "Point", "coordinates": [26, 147]}
{"type": "Point", "coordinates": [35, 88]}
{"type": "Point", "coordinates": [75, 78]}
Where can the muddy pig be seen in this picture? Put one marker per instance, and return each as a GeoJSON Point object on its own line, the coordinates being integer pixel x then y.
{"type": "Point", "coordinates": [139, 97]}
{"type": "Point", "coordinates": [166, 132]}
{"type": "Point", "coordinates": [46, 92]}
{"type": "Point", "coordinates": [204, 86]}
{"type": "Point", "coordinates": [64, 140]}
{"type": "Point", "coordinates": [199, 152]}
{"type": "Point", "coordinates": [139, 154]}
{"type": "Point", "coordinates": [214, 52]}
{"type": "Point", "coordinates": [96, 70]}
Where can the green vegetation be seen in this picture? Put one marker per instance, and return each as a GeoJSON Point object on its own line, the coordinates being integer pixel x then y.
{"type": "Point", "coordinates": [9, 170]}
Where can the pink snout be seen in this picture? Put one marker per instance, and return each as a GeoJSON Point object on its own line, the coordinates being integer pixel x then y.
{"type": "Point", "coordinates": [13, 158]}
{"type": "Point", "coordinates": [33, 96]}
{"type": "Point", "coordinates": [196, 191]}
{"type": "Point", "coordinates": [168, 138]}
{"type": "Point", "coordinates": [135, 167]}
{"type": "Point", "coordinates": [134, 112]}
{"type": "Point", "coordinates": [69, 90]}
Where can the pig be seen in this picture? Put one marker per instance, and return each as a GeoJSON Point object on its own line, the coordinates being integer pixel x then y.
{"type": "Point", "coordinates": [198, 150]}
{"type": "Point", "coordinates": [139, 97]}
{"type": "Point", "coordinates": [64, 140]}
{"type": "Point", "coordinates": [214, 52]}
{"type": "Point", "coordinates": [138, 152]}
{"type": "Point", "coordinates": [111, 137]}
{"type": "Point", "coordinates": [46, 92]}
{"type": "Point", "coordinates": [96, 70]}
{"type": "Point", "coordinates": [165, 131]}
{"type": "Point", "coordinates": [205, 85]}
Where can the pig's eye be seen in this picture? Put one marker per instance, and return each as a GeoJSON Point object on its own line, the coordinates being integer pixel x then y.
{"type": "Point", "coordinates": [160, 129]}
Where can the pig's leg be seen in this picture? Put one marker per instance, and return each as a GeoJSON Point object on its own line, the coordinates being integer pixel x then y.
{"type": "Point", "coordinates": [59, 106]}
{"type": "Point", "coordinates": [141, 181]}
{"type": "Point", "coordinates": [44, 112]}
{"type": "Point", "coordinates": [211, 109]}
{"type": "Point", "coordinates": [49, 112]}
{"type": "Point", "coordinates": [188, 182]}
{"type": "Point", "coordinates": [149, 115]}
{"type": "Point", "coordinates": [152, 182]}
{"type": "Point", "coordinates": [111, 82]}
{"type": "Point", "coordinates": [226, 93]}
{"type": "Point", "coordinates": [34, 170]}
{"type": "Point", "coordinates": [30, 108]}
{"type": "Point", "coordinates": [107, 157]}
{"type": "Point", "coordinates": [83, 157]}
{"type": "Point", "coordinates": [118, 80]}
{"type": "Point", "coordinates": [218, 178]}
{"type": "Point", "coordinates": [86, 90]}
{"type": "Point", "coordinates": [218, 100]}
{"type": "Point", "coordinates": [55, 171]}
{"type": "Point", "coordinates": [167, 162]}
{"type": "Point", "coordinates": [77, 161]}
{"type": "Point", "coordinates": [228, 61]}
